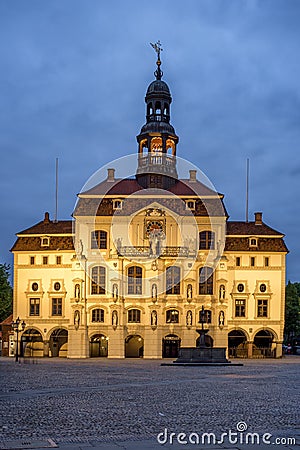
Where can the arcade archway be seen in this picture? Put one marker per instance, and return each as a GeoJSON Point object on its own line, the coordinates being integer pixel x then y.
{"type": "Point", "coordinates": [237, 344]}
{"type": "Point", "coordinates": [263, 344]}
{"type": "Point", "coordinates": [134, 346]}
{"type": "Point", "coordinates": [59, 343]}
{"type": "Point", "coordinates": [98, 346]}
{"type": "Point", "coordinates": [32, 344]}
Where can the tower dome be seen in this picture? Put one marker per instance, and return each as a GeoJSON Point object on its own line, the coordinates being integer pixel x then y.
{"type": "Point", "coordinates": [157, 139]}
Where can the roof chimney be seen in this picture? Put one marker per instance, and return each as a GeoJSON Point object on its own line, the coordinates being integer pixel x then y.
{"type": "Point", "coordinates": [46, 218]}
{"type": "Point", "coordinates": [258, 218]}
{"type": "Point", "coordinates": [193, 174]}
{"type": "Point", "coordinates": [110, 174]}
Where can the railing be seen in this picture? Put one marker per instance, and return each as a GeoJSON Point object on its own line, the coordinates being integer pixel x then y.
{"type": "Point", "coordinates": [145, 252]}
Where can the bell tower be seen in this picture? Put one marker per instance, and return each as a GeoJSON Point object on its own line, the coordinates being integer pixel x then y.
{"type": "Point", "coordinates": [157, 140]}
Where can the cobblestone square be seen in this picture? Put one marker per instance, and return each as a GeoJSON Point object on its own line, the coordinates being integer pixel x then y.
{"type": "Point", "coordinates": [109, 404]}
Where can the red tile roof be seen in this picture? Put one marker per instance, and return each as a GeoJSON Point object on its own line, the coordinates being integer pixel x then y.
{"type": "Point", "coordinates": [250, 229]}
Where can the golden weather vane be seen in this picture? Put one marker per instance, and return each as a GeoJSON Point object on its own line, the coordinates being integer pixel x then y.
{"type": "Point", "coordinates": [158, 48]}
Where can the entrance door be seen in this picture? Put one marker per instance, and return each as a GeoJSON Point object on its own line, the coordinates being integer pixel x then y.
{"type": "Point", "coordinates": [171, 344]}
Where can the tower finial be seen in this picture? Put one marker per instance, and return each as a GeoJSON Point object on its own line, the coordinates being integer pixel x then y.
{"type": "Point", "coordinates": [158, 48]}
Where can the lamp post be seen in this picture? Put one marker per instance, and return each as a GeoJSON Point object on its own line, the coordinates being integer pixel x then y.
{"type": "Point", "coordinates": [16, 327]}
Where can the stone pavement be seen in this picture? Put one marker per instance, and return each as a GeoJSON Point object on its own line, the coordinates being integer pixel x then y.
{"type": "Point", "coordinates": [124, 404]}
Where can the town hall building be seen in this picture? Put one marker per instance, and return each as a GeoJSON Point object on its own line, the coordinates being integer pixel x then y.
{"type": "Point", "coordinates": [143, 256]}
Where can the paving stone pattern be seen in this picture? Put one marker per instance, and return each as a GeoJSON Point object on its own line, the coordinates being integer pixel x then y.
{"type": "Point", "coordinates": [113, 404]}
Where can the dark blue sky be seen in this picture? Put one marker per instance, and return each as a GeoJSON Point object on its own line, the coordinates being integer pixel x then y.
{"type": "Point", "coordinates": [73, 78]}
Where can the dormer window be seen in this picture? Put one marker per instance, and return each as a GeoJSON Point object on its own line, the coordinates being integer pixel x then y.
{"type": "Point", "coordinates": [45, 241]}
{"type": "Point", "coordinates": [253, 242]}
{"type": "Point", "coordinates": [190, 204]}
{"type": "Point", "coordinates": [117, 204]}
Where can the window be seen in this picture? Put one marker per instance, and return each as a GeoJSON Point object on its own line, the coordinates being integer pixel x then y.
{"type": "Point", "coordinates": [32, 260]}
{"type": "Point", "coordinates": [57, 286]}
{"type": "Point", "coordinates": [190, 204]}
{"type": "Point", "coordinates": [45, 242]}
{"type": "Point", "coordinates": [267, 261]}
{"type": "Point", "coordinates": [172, 316]}
{"type": "Point", "coordinates": [117, 204]}
{"type": "Point", "coordinates": [263, 287]}
{"type": "Point", "coordinates": [262, 308]}
{"type": "Point", "coordinates": [240, 308]}
{"type": "Point", "coordinates": [134, 316]}
{"type": "Point", "coordinates": [206, 316]}
{"type": "Point", "coordinates": [99, 239]}
{"type": "Point", "coordinates": [98, 315]}
{"type": "Point", "coordinates": [57, 307]}
{"type": "Point", "coordinates": [34, 307]}
{"type": "Point", "coordinates": [173, 280]}
{"type": "Point", "coordinates": [206, 240]}
{"type": "Point", "coordinates": [34, 287]}
{"type": "Point", "coordinates": [240, 287]}
{"type": "Point", "coordinates": [98, 280]}
{"type": "Point", "coordinates": [252, 261]}
{"type": "Point", "coordinates": [58, 260]}
{"type": "Point", "coordinates": [45, 260]}
{"type": "Point", "coordinates": [238, 261]}
{"type": "Point", "coordinates": [206, 280]}
{"type": "Point", "coordinates": [134, 274]}
{"type": "Point", "coordinates": [253, 242]}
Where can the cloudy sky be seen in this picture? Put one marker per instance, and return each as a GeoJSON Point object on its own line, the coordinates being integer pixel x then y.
{"type": "Point", "coordinates": [73, 78]}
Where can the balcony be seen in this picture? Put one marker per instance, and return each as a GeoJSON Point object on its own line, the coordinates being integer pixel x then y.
{"type": "Point", "coordinates": [165, 252]}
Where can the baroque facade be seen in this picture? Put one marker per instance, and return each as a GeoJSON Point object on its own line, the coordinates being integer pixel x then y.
{"type": "Point", "coordinates": [129, 275]}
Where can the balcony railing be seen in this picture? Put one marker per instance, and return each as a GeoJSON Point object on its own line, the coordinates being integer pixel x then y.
{"type": "Point", "coordinates": [166, 252]}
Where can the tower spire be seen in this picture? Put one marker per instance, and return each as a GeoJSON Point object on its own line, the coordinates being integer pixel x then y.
{"type": "Point", "coordinates": [158, 48]}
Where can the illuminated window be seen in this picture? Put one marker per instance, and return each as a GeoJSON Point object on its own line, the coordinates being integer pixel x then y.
{"type": "Point", "coordinates": [262, 308]}
{"type": "Point", "coordinates": [98, 280]}
{"type": "Point", "coordinates": [134, 275]}
{"type": "Point", "coordinates": [172, 316]}
{"type": "Point", "coordinates": [173, 280]}
{"type": "Point", "coordinates": [134, 316]}
{"type": "Point", "coordinates": [34, 307]}
{"type": "Point", "coordinates": [98, 315]}
{"type": "Point", "coordinates": [240, 308]}
{"type": "Point", "coordinates": [206, 280]}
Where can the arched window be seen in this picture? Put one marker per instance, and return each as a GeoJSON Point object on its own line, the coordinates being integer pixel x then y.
{"type": "Point", "coordinates": [134, 316]}
{"type": "Point", "coordinates": [99, 239]}
{"type": "Point", "coordinates": [173, 280]}
{"type": "Point", "coordinates": [205, 317]}
{"type": "Point", "coordinates": [98, 315]}
{"type": "Point", "coordinates": [134, 274]}
{"type": "Point", "coordinates": [206, 240]}
{"type": "Point", "coordinates": [172, 316]}
{"type": "Point", "coordinates": [157, 108]}
{"type": "Point", "coordinates": [206, 281]}
{"type": "Point", "coordinates": [98, 280]}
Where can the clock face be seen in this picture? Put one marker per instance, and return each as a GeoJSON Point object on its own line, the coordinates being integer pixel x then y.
{"type": "Point", "coordinates": [154, 225]}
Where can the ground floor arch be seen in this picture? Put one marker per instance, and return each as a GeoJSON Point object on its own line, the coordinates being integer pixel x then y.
{"type": "Point", "coordinates": [134, 346]}
{"type": "Point", "coordinates": [237, 344]}
{"type": "Point", "coordinates": [170, 346]}
{"type": "Point", "coordinates": [31, 343]}
{"type": "Point", "coordinates": [263, 344]}
{"type": "Point", "coordinates": [58, 343]}
{"type": "Point", "coordinates": [98, 346]}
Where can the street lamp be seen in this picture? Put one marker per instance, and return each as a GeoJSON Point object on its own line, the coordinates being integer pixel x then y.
{"type": "Point", "coordinates": [17, 329]}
